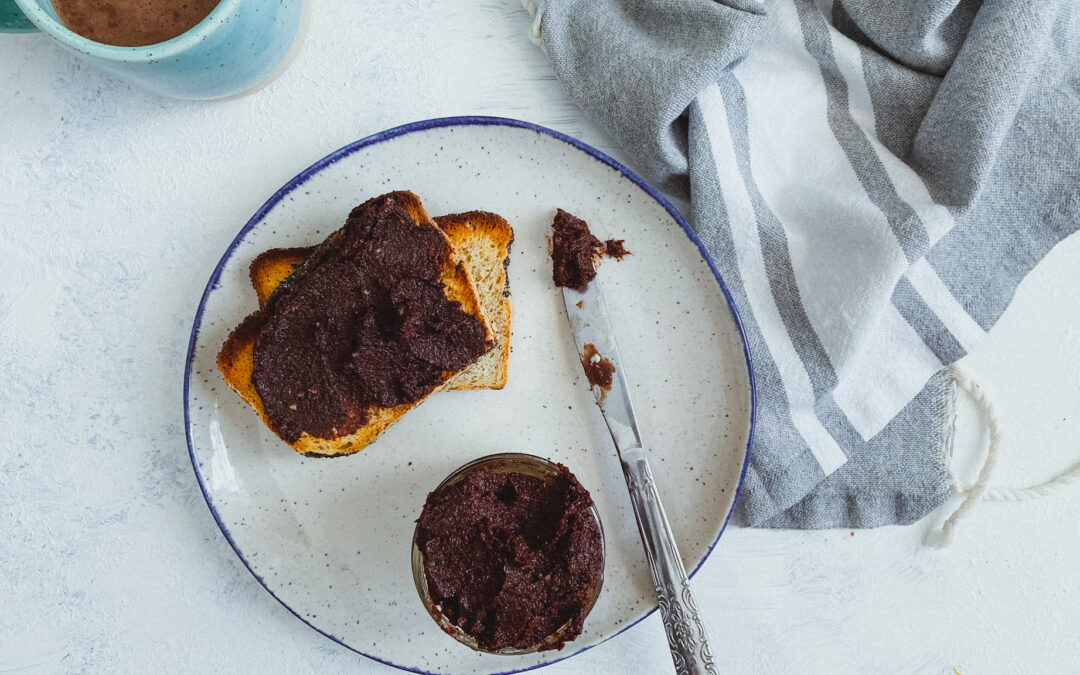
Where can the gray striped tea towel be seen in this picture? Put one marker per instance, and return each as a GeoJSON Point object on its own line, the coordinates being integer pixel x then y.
{"type": "Point", "coordinates": [873, 180]}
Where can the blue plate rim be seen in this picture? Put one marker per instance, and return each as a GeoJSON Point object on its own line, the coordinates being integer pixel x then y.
{"type": "Point", "coordinates": [388, 134]}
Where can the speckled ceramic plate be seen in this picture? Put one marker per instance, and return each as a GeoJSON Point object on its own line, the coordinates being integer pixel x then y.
{"type": "Point", "coordinates": [330, 538]}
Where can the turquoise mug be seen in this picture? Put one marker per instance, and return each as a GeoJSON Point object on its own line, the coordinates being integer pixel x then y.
{"type": "Point", "coordinates": [237, 46]}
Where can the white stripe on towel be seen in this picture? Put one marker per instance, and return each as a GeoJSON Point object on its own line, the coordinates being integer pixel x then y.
{"type": "Point", "coordinates": [793, 375]}
{"type": "Point", "coordinates": [842, 248]}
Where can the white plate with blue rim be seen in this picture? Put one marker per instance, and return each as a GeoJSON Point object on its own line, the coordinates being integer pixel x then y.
{"type": "Point", "coordinates": [330, 538]}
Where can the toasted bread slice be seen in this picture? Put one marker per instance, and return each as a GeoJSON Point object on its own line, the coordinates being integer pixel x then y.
{"type": "Point", "coordinates": [483, 240]}
{"type": "Point", "coordinates": [237, 356]}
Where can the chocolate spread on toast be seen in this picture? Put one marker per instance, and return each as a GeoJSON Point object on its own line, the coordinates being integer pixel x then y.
{"type": "Point", "coordinates": [510, 557]}
{"type": "Point", "coordinates": [574, 251]}
{"type": "Point", "coordinates": [364, 322]}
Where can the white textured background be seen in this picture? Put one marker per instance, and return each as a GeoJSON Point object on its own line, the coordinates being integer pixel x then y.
{"type": "Point", "coordinates": [115, 205]}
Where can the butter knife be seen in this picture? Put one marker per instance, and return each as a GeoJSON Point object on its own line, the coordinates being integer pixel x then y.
{"type": "Point", "coordinates": [595, 343]}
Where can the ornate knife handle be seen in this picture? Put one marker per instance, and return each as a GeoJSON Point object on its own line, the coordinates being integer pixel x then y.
{"type": "Point", "coordinates": [685, 633]}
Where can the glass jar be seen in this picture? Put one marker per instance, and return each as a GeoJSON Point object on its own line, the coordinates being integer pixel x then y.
{"type": "Point", "coordinates": [508, 462]}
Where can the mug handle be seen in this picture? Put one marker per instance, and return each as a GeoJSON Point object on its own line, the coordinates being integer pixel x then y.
{"type": "Point", "coordinates": [14, 21]}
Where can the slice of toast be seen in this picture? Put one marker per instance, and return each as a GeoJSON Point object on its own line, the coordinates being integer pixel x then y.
{"type": "Point", "coordinates": [483, 240]}
{"type": "Point", "coordinates": [237, 356]}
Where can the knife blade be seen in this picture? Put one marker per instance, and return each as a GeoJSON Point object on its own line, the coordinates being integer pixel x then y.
{"type": "Point", "coordinates": [589, 322]}
{"type": "Point", "coordinates": [594, 339]}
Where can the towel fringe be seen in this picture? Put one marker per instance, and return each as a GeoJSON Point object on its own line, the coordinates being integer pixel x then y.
{"type": "Point", "coordinates": [980, 489]}
{"type": "Point", "coordinates": [536, 9]}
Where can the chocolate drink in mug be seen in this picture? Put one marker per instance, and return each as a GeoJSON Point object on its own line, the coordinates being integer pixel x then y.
{"type": "Point", "coordinates": [132, 23]}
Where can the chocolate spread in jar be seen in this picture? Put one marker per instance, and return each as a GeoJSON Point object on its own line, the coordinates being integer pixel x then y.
{"type": "Point", "coordinates": [510, 558]}
{"type": "Point", "coordinates": [574, 251]}
{"type": "Point", "coordinates": [364, 322]}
